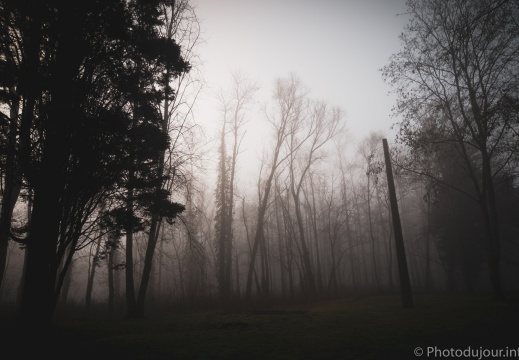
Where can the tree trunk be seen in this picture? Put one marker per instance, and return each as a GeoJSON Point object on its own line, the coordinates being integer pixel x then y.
{"type": "Point", "coordinates": [148, 262]}
{"type": "Point", "coordinates": [258, 236]}
{"type": "Point", "coordinates": [111, 283]}
{"type": "Point", "coordinates": [161, 259]}
{"type": "Point", "coordinates": [280, 245]}
{"type": "Point", "coordinates": [237, 274]}
{"type": "Point", "coordinates": [42, 241]}
{"type": "Point", "coordinates": [222, 235]}
{"type": "Point", "coordinates": [91, 276]}
{"type": "Point", "coordinates": [265, 283]}
{"type": "Point", "coordinates": [351, 242]}
{"type": "Point", "coordinates": [66, 284]}
{"type": "Point", "coordinates": [308, 273]}
{"type": "Point", "coordinates": [131, 303]}
{"type": "Point", "coordinates": [313, 217]}
{"type": "Point", "coordinates": [12, 185]}
{"type": "Point", "coordinates": [42, 264]}
{"type": "Point", "coordinates": [405, 284]}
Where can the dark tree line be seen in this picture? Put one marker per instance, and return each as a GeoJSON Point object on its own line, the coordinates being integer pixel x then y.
{"type": "Point", "coordinates": [84, 84]}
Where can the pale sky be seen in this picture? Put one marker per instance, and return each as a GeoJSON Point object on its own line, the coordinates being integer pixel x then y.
{"type": "Point", "coordinates": [336, 47]}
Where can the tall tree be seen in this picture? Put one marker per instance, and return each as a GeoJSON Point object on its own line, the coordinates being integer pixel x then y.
{"type": "Point", "coordinates": [456, 79]}
{"type": "Point", "coordinates": [19, 84]}
{"type": "Point", "coordinates": [308, 136]}
{"type": "Point", "coordinates": [223, 239]}
{"type": "Point", "coordinates": [289, 96]}
{"type": "Point", "coordinates": [176, 15]}
{"type": "Point", "coordinates": [234, 110]}
{"type": "Point", "coordinates": [72, 142]}
{"type": "Point", "coordinates": [405, 284]}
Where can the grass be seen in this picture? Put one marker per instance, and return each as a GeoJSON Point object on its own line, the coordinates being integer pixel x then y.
{"type": "Point", "coordinates": [368, 328]}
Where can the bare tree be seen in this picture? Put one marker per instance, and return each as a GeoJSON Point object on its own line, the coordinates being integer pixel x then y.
{"type": "Point", "coordinates": [369, 149]}
{"type": "Point", "coordinates": [308, 136]}
{"type": "Point", "coordinates": [456, 78]}
{"type": "Point", "coordinates": [289, 96]}
{"type": "Point", "coordinates": [234, 108]}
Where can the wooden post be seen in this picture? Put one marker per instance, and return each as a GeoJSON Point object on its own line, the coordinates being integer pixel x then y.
{"type": "Point", "coordinates": [405, 284]}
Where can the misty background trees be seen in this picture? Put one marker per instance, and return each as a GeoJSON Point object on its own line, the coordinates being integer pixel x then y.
{"type": "Point", "coordinates": [114, 201]}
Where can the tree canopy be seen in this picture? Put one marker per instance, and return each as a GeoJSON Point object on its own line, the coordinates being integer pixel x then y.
{"type": "Point", "coordinates": [457, 82]}
{"type": "Point", "coordinates": [89, 77]}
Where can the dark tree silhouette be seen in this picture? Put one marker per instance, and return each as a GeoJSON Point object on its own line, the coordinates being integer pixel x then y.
{"type": "Point", "coordinates": [86, 72]}
{"type": "Point", "coordinates": [456, 80]}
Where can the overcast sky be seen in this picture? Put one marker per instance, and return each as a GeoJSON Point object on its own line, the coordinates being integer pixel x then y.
{"type": "Point", "coordinates": [336, 47]}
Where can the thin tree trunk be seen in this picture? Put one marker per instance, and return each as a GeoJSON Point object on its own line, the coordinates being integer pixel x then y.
{"type": "Point", "coordinates": [258, 237]}
{"type": "Point", "coordinates": [237, 274]}
{"type": "Point", "coordinates": [161, 260]}
{"type": "Point", "coordinates": [358, 227]}
{"type": "Point", "coordinates": [131, 303]}
{"type": "Point", "coordinates": [222, 236]}
{"type": "Point", "coordinates": [289, 249]}
{"type": "Point", "coordinates": [306, 262]}
{"type": "Point", "coordinates": [313, 217]}
{"type": "Point", "coordinates": [111, 287]}
{"type": "Point", "coordinates": [66, 284]}
{"type": "Point", "coordinates": [265, 284]}
{"type": "Point", "coordinates": [280, 247]}
{"type": "Point", "coordinates": [352, 251]}
{"type": "Point", "coordinates": [91, 276]}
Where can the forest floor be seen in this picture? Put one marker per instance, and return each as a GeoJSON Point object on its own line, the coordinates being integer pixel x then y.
{"type": "Point", "coordinates": [374, 327]}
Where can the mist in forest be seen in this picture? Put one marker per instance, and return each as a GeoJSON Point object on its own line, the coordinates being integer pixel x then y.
{"type": "Point", "coordinates": [178, 157]}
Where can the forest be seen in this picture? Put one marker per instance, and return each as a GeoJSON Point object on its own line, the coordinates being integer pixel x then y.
{"type": "Point", "coordinates": [111, 211]}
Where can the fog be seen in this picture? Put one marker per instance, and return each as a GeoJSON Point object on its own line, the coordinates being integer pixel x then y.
{"type": "Point", "coordinates": [224, 161]}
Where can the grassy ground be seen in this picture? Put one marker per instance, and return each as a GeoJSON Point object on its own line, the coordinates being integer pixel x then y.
{"type": "Point", "coordinates": [367, 328]}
